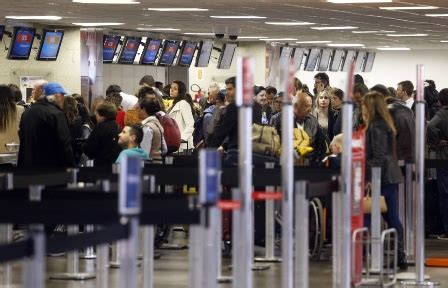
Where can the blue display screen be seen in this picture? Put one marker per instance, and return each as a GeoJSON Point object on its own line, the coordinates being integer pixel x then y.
{"type": "Point", "coordinates": [152, 50]}
{"type": "Point", "coordinates": [51, 43]}
{"type": "Point", "coordinates": [22, 43]}
{"type": "Point", "coordinates": [109, 47]}
{"type": "Point", "coordinates": [169, 53]}
{"type": "Point", "coordinates": [130, 50]}
{"type": "Point", "coordinates": [187, 54]}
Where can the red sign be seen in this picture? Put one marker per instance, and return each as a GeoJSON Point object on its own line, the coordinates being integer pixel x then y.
{"type": "Point", "coordinates": [248, 82]}
{"type": "Point", "coordinates": [23, 38]}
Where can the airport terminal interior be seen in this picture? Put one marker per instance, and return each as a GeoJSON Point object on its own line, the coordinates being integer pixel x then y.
{"type": "Point", "coordinates": [224, 143]}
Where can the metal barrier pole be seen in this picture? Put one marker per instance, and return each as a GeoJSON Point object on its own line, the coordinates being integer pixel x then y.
{"type": "Point", "coordinates": [376, 220]}
{"type": "Point", "coordinates": [221, 278]}
{"type": "Point", "coordinates": [237, 243]}
{"type": "Point", "coordinates": [116, 251]}
{"type": "Point", "coordinates": [90, 251]}
{"type": "Point", "coordinates": [6, 234]}
{"type": "Point", "coordinates": [148, 243]}
{"type": "Point", "coordinates": [211, 246]}
{"type": "Point", "coordinates": [287, 73]}
{"type": "Point", "coordinates": [33, 273]}
{"type": "Point", "coordinates": [128, 256]}
{"type": "Point", "coordinates": [301, 236]}
{"type": "Point", "coordinates": [102, 267]}
{"type": "Point", "coordinates": [195, 256]}
{"type": "Point", "coordinates": [336, 243]}
{"type": "Point", "coordinates": [410, 219]}
{"type": "Point", "coordinates": [402, 199]}
{"type": "Point", "coordinates": [244, 99]}
{"type": "Point", "coordinates": [255, 267]}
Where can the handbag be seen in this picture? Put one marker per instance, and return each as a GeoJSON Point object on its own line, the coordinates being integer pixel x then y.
{"type": "Point", "coordinates": [368, 203]}
{"type": "Point", "coordinates": [265, 140]}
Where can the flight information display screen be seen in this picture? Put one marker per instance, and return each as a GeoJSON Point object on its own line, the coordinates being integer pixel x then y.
{"type": "Point", "coordinates": [312, 59]}
{"type": "Point", "coordinates": [50, 45]}
{"type": "Point", "coordinates": [130, 50]}
{"type": "Point", "coordinates": [169, 53]}
{"type": "Point", "coordinates": [204, 53]}
{"type": "Point", "coordinates": [187, 54]}
{"type": "Point", "coordinates": [21, 43]}
{"type": "Point", "coordinates": [225, 60]}
{"type": "Point", "coordinates": [2, 31]}
{"type": "Point", "coordinates": [110, 45]}
{"type": "Point", "coordinates": [151, 52]}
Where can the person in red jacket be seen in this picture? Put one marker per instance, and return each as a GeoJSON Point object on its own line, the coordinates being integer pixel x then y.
{"type": "Point", "coordinates": [115, 98]}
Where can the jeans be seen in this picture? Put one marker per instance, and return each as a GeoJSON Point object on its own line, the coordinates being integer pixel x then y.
{"type": "Point", "coordinates": [442, 183]}
{"type": "Point", "coordinates": [392, 218]}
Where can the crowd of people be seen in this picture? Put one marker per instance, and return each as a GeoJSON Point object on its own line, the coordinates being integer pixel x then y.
{"type": "Point", "coordinates": [57, 129]}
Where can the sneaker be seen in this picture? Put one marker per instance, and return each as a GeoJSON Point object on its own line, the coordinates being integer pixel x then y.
{"type": "Point", "coordinates": [444, 236]}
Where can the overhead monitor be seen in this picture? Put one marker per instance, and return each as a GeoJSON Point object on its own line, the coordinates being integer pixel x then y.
{"type": "Point", "coordinates": [187, 53]}
{"type": "Point", "coordinates": [324, 60]}
{"type": "Point", "coordinates": [151, 52]}
{"type": "Point", "coordinates": [50, 45]}
{"type": "Point", "coordinates": [312, 59]}
{"type": "Point", "coordinates": [169, 52]}
{"type": "Point", "coordinates": [21, 43]}
{"type": "Point", "coordinates": [129, 50]}
{"type": "Point", "coordinates": [335, 64]}
{"type": "Point", "coordinates": [348, 60]}
{"type": "Point", "coordinates": [360, 61]}
{"type": "Point", "coordinates": [2, 31]}
{"type": "Point", "coordinates": [225, 60]}
{"type": "Point", "coordinates": [204, 53]}
{"type": "Point", "coordinates": [299, 55]}
{"type": "Point", "coordinates": [285, 52]}
{"type": "Point", "coordinates": [110, 44]}
{"type": "Point", "coordinates": [369, 62]}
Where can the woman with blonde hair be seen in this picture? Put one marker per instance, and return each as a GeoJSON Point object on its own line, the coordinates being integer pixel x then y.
{"type": "Point", "coordinates": [381, 152]}
{"type": "Point", "coordinates": [324, 114]}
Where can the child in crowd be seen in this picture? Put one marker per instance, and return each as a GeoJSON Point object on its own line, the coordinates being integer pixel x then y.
{"type": "Point", "coordinates": [130, 139]}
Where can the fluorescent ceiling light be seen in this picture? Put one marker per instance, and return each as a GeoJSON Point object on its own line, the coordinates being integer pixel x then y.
{"type": "Point", "coordinates": [334, 28]}
{"type": "Point", "coordinates": [296, 23]}
{"type": "Point", "coordinates": [372, 32]}
{"type": "Point", "coordinates": [393, 48]}
{"type": "Point", "coordinates": [200, 33]}
{"type": "Point", "coordinates": [176, 9]}
{"type": "Point", "coordinates": [345, 45]}
{"type": "Point", "coordinates": [98, 24]}
{"type": "Point", "coordinates": [278, 39]}
{"type": "Point", "coordinates": [106, 1]}
{"type": "Point", "coordinates": [358, 1]}
{"type": "Point", "coordinates": [252, 37]}
{"type": "Point", "coordinates": [437, 15]}
{"type": "Point", "coordinates": [158, 29]}
{"type": "Point", "coordinates": [407, 35]}
{"type": "Point", "coordinates": [239, 17]}
{"type": "Point", "coordinates": [34, 17]}
{"type": "Point", "coordinates": [443, 41]}
{"type": "Point", "coordinates": [313, 42]}
{"type": "Point", "coordinates": [410, 8]}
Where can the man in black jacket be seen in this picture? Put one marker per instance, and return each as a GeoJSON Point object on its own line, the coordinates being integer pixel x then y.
{"type": "Point", "coordinates": [44, 133]}
{"type": "Point", "coordinates": [102, 144]}
{"type": "Point", "coordinates": [404, 122]}
{"type": "Point", "coordinates": [438, 139]}
{"type": "Point", "coordinates": [225, 134]}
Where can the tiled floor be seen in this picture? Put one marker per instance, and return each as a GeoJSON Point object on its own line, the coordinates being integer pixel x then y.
{"type": "Point", "coordinates": [171, 271]}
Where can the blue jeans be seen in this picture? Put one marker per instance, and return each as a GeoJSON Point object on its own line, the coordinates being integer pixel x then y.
{"type": "Point", "coordinates": [392, 218]}
{"type": "Point", "coordinates": [442, 183]}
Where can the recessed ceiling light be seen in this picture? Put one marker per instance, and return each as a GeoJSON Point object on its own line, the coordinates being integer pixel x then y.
{"type": "Point", "coordinates": [34, 17]}
{"type": "Point", "coordinates": [98, 24]}
{"type": "Point", "coordinates": [410, 8]}
{"type": "Point", "coordinates": [407, 35]}
{"type": "Point", "coordinates": [334, 28]}
{"type": "Point", "coordinates": [443, 41]}
{"type": "Point", "coordinates": [393, 48]}
{"type": "Point", "coordinates": [372, 32]}
{"type": "Point", "coordinates": [199, 33]}
{"type": "Point", "coordinates": [106, 1]}
{"type": "Point", "coordinates": [158, 29]}
{"type": "Point", "coordinates": [344, 45]}
{"type": "Point", "coordinates": [296, 23]}
{"type": "Point", "coordinates": [176, 9]}
{"type": "Point", "coordinates": [313, 42]}
{"type": "Point", "coordinates": [239, 17]}
{"type": "Point", "coordinates": [251, 37]}
{"type": "Point", "coordinates": [358, 1]}
{"type": "Point", "coordinates": [437, 15]}
{"type": "Point", "coordinates": [278, 39]}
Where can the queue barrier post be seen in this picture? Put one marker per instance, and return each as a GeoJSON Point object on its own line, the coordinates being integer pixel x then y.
{"type": "Point", "coordinates": [301, 271]}
{"type": "Point", "coordinates": [6, 232]}
{"type": "Point", "coordinates": [409, 226]}
{"type": "Point", "coordinates": [376, 221]}
{"type": "Point", "coordinates": [148, 242]}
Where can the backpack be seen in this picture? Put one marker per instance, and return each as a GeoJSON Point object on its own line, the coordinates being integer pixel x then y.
{"type": "Point", "coordinates": [171, 132]}
{"type": "Point", "coordinates": [198, 133]}
{"type": "Point", "coordinates": [265, 140]}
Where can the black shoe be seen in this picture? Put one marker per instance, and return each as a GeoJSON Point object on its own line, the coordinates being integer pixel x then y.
{"type": "Point", "coordinates": [402, 266]}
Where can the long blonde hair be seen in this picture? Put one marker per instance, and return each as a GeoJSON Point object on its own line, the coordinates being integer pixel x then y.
{"type": "Point", "coordinates": [377, 108]}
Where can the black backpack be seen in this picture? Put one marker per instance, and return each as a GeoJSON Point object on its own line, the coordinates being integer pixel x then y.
{"type": "Point", "coordinates": [198, 133]}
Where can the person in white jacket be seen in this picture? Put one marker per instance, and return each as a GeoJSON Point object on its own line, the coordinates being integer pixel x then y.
{"type": "Point", "coordinates": [182, 111]}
